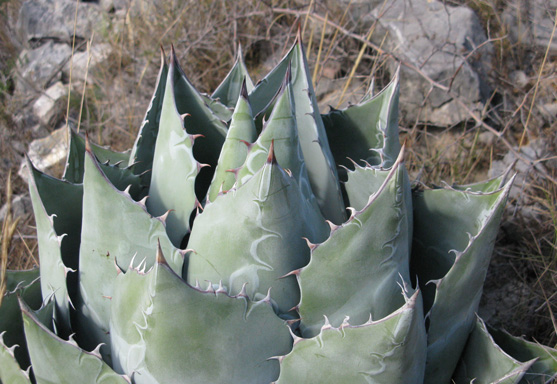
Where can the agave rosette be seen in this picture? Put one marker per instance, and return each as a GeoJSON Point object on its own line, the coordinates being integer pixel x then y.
{"type": "Point", "coordinates": [219, 249]}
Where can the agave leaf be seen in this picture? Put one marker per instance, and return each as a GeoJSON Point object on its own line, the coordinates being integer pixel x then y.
{"type": "Point", "coordinates": [454, 236]}
{"type": "Point", "coordinates": [143, 150]}
{"type": "Point", "coordinates": [76, 153]}
{"type": "Point", "coordinates": [10, 372]}
{"type": "Point", "coordinates": [483, 361]}
{"type": "Point", "coordinates": [265, 90]}
{"type": "Point", "coordinates": [282, 130]}
{"type": "Point", "coordinates": [200, 336]}
{"type": "Point", "coordinates": [360, 268]}
{"type": "Point", "coordinates": [56, 360]}
{"type": "Point", "coordinates": [174, 167]}
{"type": "Point", "coordinates": [544, 369]}
{"type": "Point", "coordinates": [229, 90]}
{"type": "Point", "coordinates": [200, 120]}
{"type": "Point", "coordinates": [221, 111]}
{"type": "Point", "coordinates": [262, 243]}
{"type": "Point", "coordinates": [111, 162]}
{"type": "Point", "coordinates": [128, 232]}
{"type": "Point", "coordinates": [319, 160]}
{"type": "Point", "coordinates": [391, 350]}
{"type": "Point", "coordinates": [367, 131]}
{"type": "Point", "coordinates": [234, 151]}
{"type": "Point", "coordinates": [26, 284]}
{"type": "Point", "coordinates": [57, 249]}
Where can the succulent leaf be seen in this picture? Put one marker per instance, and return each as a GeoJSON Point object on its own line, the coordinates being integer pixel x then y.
{"type": "Point", "coordinates": [484, 362]}
{"type": "Point", "coordinates": [26, 285]}
{"type": "Point", "coordinates": [319, 160]}
{"type": "Point", "coordinates": [281, 130]}
{"type": "Point", "coordinates": [11, 372]}
{"type": "Point", "coordinates": [234, 151]}
{"type": "Point", "coordinates": [200, 336]}
{"type": "Point", "coordinates": [58, 251]}
{"type": "Point", "coordinates": [130, 232]}
{"type": "Point", "coordinates": [73, 172]}
{"type": "Point", "coordinates": [229, 90]}
{"type": "Point", "coordinates": [360, 268]}
{"type": "Point", "coordinates": [391, 350]}
{"type": "Point", "coordinates": [55, 360]}
{"type": "Point", "coordinates": [454, 234]}
{"type": "Point", "coordinates": [544, 369]}
{"type": "Point", "coordinates": [366, 131]}
{"type": "Point", "coordinates": [263, 243]}
{"type": "Point", "coordinates": [174, 167]}
{"type": "Point", "coordinates": [200, 119]}
{"type": "Point", "coordinates": [143, 150]}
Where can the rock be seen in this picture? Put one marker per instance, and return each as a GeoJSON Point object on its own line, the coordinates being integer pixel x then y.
{"type": "Point", "coordinates": [50, 105]}
{"type": "Point", "coordinates": [21, 207]}
{"type": "Point", "coordinates": [47, 152]}
{"type": "Point", "coordinates": [40, 67]}
{"type": "Point", "coordinates": [535, 150]}
{"type": "Point", "coordinates": [441, 42]}
{"type": "Point", "coordinates": [55, 19]}
{"type": "Point", "coordinates": [99, 53]}
{"type": "Point", "coordinates": [530, 23]}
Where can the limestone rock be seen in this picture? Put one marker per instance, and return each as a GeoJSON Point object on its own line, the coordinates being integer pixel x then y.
{"type": "Point", "coordinates": [98, 54]}
{"type": "Point", "coordinates": [40, 67]}
{"type": "Point", "coordinates": [55, 20]}
{"type": "Point", "coordinates": [47, 152]}
{"type": "Point", "coordinates": [446, 44]}
{"type": "Point", "coordinates": [49, 106]}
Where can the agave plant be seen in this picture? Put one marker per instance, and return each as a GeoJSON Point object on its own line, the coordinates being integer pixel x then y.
{"type": "Point", "coordinates": [247, 238]}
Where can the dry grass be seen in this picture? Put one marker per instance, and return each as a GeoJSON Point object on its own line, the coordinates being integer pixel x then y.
{"type": "Point", "coordinates": [206, 35]}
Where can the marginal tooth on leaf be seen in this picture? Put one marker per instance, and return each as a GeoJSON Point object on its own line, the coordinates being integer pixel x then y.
{"type": "Point", "coordinates": [356, 165]}
{"type": "Point", "coordinates": [267, 298]}
{"type": "Point", "coordinates": [209, 288]}
{"type": "Point", "coordinates": [243, 291]}
{"type": "Point", "coordinates": [353, 212]}
{"type": "Point", "coordinates": [131, 261]}
{"type": "Point", "coordinates": [234, 171]}
{"type": "Point", "coordinates": [196, 136]}
{"type": "Point", "coordinates": [197, 286]}
{"type": "Point", "coordinates": [295, 272]}
{"type": "Point", "coordinates": [118, 269]}
{"type": "Point", "coordinates": [97, 350]}
{"type": "Point", "coordinates": [310, 244]}
{"type": "Point", "coordinates": [271, 159]}
{"type": "Point", "coordinates": [202, 165]}
{"type": "Point", "coordinates": [247, 143]}
{"type": "Point", "coordinates": [72, 341]}
{"type": "Point", "coordinates": [345, 322]}
{"type": "Point", "coordinates": [127, 190]}
{"type": "Point", "coordinates": [221, 289]}
{"type": "Point", "coordinates": [143, 202]}
{"type": "Point", "coordinates": [292, 321]}
{"type": "Point", "coordinates": [295, 337]}
{"type": "Point", "coordinates": [288, 171]}
{"type": "Point", "coordinates": [327, 324]}
{"type": "Point", "coordinates": [160, 257]}
{"type": "Point", "coordinates": [332, 225]}
{"type": "Point", "coordinates": [165, 216]}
